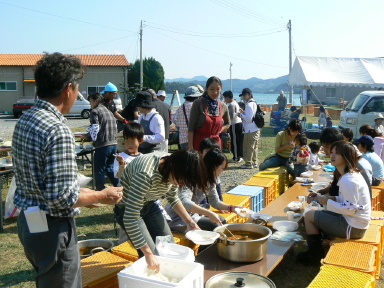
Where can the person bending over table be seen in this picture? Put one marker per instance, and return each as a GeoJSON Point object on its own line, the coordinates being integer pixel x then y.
{"type": "Point", "coordinates": [284, 145]}
{"type": "Point", "coordinates": [148, 178]}
{"type": "Point", "coordinates": [216, 162]}
{"type": "Point", "coordinates": [347, 215]}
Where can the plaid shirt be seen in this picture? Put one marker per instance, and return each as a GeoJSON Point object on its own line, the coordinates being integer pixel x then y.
{"type": "Point", "coordinates": [44, 158]}
{"type": "Point", "coordinates": [107, 126]}
{"type": "Point", "coordinates": [181, 123]}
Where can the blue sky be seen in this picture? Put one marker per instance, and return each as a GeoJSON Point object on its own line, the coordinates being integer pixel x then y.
{"type": "Point", "coordinates": [201, 37]}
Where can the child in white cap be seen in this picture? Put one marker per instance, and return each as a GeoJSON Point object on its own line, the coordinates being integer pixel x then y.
{"type": "Point", "coordinates": [379, 123]}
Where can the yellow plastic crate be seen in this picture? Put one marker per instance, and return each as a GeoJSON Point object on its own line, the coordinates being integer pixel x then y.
{"type": "Point", "coordinates": [381, 187]}
{"type": "Point", "coordinates": [379, 222]}
{"type": "Point", "coordinates": [352, 255]}
{"type": "Point", "coordinates": [331, 276]}
{"type": "Point", "coordinates": [100, 269]}
{"type": "Point", "coordinates": [229, 217]}
{"type": "Point", "coordinates": [376, 199]}
{"type": "Point", "coordinates": [269, 187]}
{"type": "Point", "coordinates": [373, 237]}
{"type": "Point", "coordinates": [284, 173]}
{"type": "Point", "coordinates": [270, 174]}
{"type": "Point", "coordinates": [234, 199]}
{"type": "Point", "coordinates": [186, 242]}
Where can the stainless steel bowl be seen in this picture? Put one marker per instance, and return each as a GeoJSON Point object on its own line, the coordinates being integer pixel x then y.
{"type": "Point", "coordinates": [99, 244]}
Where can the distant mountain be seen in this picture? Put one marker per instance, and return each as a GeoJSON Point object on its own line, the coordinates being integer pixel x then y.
{"type": "Point", "coordinates": [257, 85]}
{"type": "Point", "coordinates": [194, 79]}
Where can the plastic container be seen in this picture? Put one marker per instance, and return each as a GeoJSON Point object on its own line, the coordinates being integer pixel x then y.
{"type": "Point", "coordinates": [191, 274]}
{"type": "Point", "coordinates": [256, 193]}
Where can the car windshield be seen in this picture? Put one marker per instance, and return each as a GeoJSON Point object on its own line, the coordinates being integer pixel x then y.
{"type": "Point", "coordinates": [356, 103]}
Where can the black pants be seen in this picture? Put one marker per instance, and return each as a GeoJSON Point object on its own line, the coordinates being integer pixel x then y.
{"type": "Point", "coordinates": [237, 136]}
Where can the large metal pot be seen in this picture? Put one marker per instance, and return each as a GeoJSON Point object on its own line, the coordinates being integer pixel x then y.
{"type": "Point", "coordinates": [97, 244]}
{"type": "Point", "coordinates": [239, 279]}
{"type": "Point", "coordinates": [239, 250]}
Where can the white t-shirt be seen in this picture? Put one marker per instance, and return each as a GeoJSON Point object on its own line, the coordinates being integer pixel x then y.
{"type": "Point", "coordinates": [116, 165]}
{"type": "Point", "coordinates": [354, 201]}
{"type": "Point", "coordinates": [313, 159]}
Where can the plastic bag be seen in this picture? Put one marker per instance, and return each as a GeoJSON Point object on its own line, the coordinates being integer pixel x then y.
{"type": "Point", "coordinates": [10, 209]}
{"type": "Point", "coordinates": [312, 206]}
{"type": "Point", "coordinates": [162, 241]}
{"type": "Point", "coordinates": [286, 236]}
{"type": "Point", "coordinates": [83, 180]}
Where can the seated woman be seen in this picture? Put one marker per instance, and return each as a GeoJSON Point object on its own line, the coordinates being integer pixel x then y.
{"type": "Point", "coordinates": [365, 146]}
{"type": "Point", "coordinates": [284, 144]}
{"type": "Point", "coordinates": [347, 215]}
{"type": "Point", "coordinates": [295, 113]}
{"type": "Point", "coordinates": [216, 162]}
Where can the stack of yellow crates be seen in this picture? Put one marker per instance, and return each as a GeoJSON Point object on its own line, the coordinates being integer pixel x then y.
{"type": "Point", "coordinates": [285, 175]}
{"type": "Point", "coordinates": [100, 270]}
{"type": "Point", "coordinates": [376, 200]}
{"type": "Point", "coordinates": [379, 222]}
{"type": "Point", "coordinates": [272, 175]}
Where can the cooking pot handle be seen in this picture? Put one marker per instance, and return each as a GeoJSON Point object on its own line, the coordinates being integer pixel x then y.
{"type": "Point", "coordinates": [225, 241]}
{"type": "Point", "coordinates": [82, 235]}
{"type": "Point", "coordinates": [260, 221]}
{"type": "Point", "coordinates": [97, 249]}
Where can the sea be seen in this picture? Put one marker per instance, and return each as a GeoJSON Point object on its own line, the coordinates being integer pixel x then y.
{"type": "Point", "coordinates": [260, 99]}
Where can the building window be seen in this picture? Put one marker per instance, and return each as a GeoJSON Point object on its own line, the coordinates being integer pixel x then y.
{"type": "Point", "coordinates": [330, 92]}
{"type": "Point", "coordinates": [94, 89]}
{"type": "Point", "coordinates": [8, 86]}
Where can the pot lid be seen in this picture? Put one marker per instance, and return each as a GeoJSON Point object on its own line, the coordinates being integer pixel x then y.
{"type": "Point", "coordinates": [239, 279]}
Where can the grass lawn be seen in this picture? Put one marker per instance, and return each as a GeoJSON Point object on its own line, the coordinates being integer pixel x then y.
{"type": "Point", "coordinates": [16, 271]}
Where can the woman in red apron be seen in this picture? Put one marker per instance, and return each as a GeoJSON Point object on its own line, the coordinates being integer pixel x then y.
{"type": "Point", "coordinates": [209, 116]}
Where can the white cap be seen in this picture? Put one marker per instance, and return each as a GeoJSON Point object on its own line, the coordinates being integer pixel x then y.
{"type": "Point", "coordinates": [161, 93]}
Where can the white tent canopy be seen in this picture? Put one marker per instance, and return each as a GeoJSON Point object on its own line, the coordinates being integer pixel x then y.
{"type": "Point", "coordinates": [325, 71]}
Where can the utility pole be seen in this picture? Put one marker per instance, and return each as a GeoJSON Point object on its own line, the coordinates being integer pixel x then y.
{"type": "Point", "coordinates": [141, 55]}
{"type": "Point", "coordinates": [230, 74]}
{"type": "Point", "coordinates": [289, 26]}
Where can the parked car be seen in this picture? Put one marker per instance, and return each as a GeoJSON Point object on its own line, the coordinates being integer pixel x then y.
{"type": "Point", "coordinates": [362, 110]}
{"type": "Point", "coordinates": [22, 105]}
{"type": "Point", "coordinates": [81, 107]}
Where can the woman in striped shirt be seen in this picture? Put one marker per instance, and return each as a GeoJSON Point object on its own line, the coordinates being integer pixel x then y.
{"type": "Point", "coordinates": [148, 178]}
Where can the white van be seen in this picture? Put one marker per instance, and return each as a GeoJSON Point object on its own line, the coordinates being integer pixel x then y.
{"type": "Point", "coordinates": [363, 109]}
{"type": "Point", "coordinates": [81, 107]}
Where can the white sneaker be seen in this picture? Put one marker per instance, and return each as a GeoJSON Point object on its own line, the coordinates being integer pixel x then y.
{"type": "Point", "coordinates": [245, 166]}
{"type": "Point", "coordinates": [240, 160]}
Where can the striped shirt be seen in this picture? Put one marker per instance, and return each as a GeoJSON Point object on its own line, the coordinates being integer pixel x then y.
{"type": "Point", "coordinates": [44, 158]}
{"type": "Point", "coordinates": [141, 183]}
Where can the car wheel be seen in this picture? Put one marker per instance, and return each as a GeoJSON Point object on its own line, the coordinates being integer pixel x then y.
{"type": "Point", "coordinates": [85, 114]}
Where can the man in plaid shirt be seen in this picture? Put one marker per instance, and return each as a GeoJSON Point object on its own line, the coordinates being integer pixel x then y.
{"type": "Point", "coordinates": [181, 118]}
{"type": "Point", "coordinates": [46, 174]}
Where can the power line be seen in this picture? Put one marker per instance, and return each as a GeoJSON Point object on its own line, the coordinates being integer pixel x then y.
{"type": "Point", "coordinates": [222, 35]}
{"type": "Point", "coordinates": [246, 12]}
{"type": "Point", "coordinates": [99, 43]}
{"type": "Point", "coordinates": [67, 18]}
{"type": "Point", "coordinates": [249, 61]}
{"type": "Point", "coordinates": [201, 34]}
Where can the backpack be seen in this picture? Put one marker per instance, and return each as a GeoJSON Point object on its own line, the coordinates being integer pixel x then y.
{"type": "Point", "coordinates": [259, 117]}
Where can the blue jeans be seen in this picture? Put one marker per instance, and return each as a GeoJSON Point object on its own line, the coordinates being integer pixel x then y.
{"type": "Point", "coordinates": [152, 224]}
{"type": "Point", "coordinates": [103, 165]}
{"type": "Point", "coordinates": [276, 161]}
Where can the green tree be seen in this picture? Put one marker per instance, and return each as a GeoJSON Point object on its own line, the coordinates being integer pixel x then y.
{"type": "Point", "coordinates": [153, 74]}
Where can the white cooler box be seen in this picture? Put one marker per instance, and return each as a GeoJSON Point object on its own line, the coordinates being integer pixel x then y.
{"type": "Point", "coordinates": [190, 273]}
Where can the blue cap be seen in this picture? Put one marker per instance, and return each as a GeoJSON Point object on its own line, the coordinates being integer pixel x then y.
{"type": "Point", "coordinates": [365, 139]}
{"type": "Point", "coordinates": [109, 88]}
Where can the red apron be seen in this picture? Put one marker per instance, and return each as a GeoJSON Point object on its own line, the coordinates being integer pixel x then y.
{"type": "Point", "coordinates": [211, 128]}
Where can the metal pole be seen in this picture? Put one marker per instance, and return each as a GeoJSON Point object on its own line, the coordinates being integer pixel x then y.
{"type": "Point", "coordinates": [141, 55]}
{"type": "Point", "coordinates": [289, 26]}
{"type": "Point", "coordinates": [230, 74]}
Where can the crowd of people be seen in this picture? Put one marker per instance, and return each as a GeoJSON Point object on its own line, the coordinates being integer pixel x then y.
{"type": "Point", "coordinates": [144, 173]}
